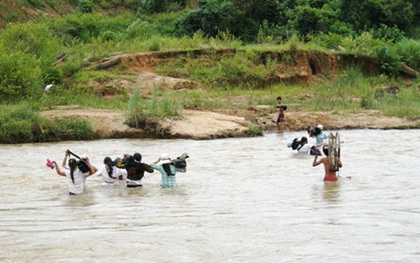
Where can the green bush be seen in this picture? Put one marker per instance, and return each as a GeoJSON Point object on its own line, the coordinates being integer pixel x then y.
{"type": "Point", "coordinates": [34, 39]}
{"type": "Point", "coordinates": [409, 50]}
{"type": "Point", "coordinates": [22, 124]}
{"type": "Point", "coordinates": [153, 6]}
{"type": "Point", "coordinates": [20, 76]}
{"type": "Point", "coordinates": [212, 17]}
{"type": "Point", "coordinates": [389, 60]}
{"type": "Point", "coordinates": [85, 6]}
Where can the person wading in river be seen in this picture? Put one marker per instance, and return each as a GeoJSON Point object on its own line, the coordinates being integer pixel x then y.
{"type": "Point", "coordinates": [75, 177]}
{"type": "Point", "coordinates": [135, 170]}
{"type": "Point", "coordinates": [169, 168]}
{"type": "Point", "coordinates": [330, 173]}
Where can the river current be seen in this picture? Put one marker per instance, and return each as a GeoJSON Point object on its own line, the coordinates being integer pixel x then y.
{"type": "Point", "coordinates": [241, 200]}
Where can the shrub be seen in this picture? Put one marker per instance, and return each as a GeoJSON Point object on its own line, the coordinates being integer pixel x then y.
{"type": "Point", "coordinates": [389, 60]}
{"type": "Point", "coordinates": [20, 76]}
{"type": "Point", "coordinates": [22, 124]}
{"type": "Point", "coordinates": [153, 6]}
{"type": "Point", "coordinates": [212, 17]}
{"type": "Point", "coordinates": [85, 6]}
{"type": "Point", "coordinates": [254, 130]}
{"type": "Point", "coordinates": [32, 39]}
{"type": "Point", "coordinates": [409, 50]}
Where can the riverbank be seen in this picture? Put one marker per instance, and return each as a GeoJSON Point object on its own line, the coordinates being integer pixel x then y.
{"type": "Point", "coordinates": [202, 125]}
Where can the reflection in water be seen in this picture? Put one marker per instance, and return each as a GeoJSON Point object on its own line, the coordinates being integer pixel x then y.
{"type": "Point", "coordinates": [331, 191]}
{"type": "Point", "coordinates": [241, 200]}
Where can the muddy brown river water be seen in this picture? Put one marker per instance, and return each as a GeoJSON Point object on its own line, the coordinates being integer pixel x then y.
{"type": "Point", "coordinates": [241, 200]}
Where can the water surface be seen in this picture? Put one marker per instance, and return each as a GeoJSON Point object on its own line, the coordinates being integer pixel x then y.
{"type": "Point", "coordinates": [241, 200]}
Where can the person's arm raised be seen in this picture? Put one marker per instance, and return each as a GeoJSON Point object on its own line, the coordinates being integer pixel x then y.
{"type": "Point", "coordinates": [58, 170]}
{"type": "Point", "coordinates": [316, 162]}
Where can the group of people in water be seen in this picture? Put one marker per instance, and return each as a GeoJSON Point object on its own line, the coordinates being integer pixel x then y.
{"type": "Point", "coordinates": [303, 147]}
{"type": "Point", "coordinates": [129, 168]}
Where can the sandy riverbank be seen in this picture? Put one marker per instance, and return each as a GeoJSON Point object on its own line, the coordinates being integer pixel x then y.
{"type": "Point", "coordinates": [196, 124]}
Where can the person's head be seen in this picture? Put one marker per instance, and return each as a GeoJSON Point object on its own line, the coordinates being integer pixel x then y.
{"type": "Point", "coordinates": [311, 131]}
{"type": "Point", "coordinates": [278, 99]}
{"type": "Point", "coordinates": [72, 163]}
{"type": "Point", "coordinates": [320, 127]}
{"type": "Point", "coordinates": [107, 160]}
{"type": "Point", "coordinates": [304, 140]}
{"type": "Point", "coordinates": [325, 149]}
{"type": "Point", "coordinates": [317, 131]}
{"type": "Point", "coordinates": [137, 157]}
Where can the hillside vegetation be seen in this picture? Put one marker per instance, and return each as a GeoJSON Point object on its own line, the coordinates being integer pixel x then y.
{"type": "Point", "coordinates": [155, 58]}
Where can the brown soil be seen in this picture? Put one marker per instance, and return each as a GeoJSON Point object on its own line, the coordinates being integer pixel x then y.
{"type": "Point", "coordinates": [197, 124]}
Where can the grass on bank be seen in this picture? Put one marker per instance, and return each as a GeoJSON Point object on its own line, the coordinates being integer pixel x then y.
{"type": "Point", "coordinates": [21, 123]}
{"type": "Point", "coordinates": [145, 114]}
{"type": "Point", "coordinates": [231, 82]}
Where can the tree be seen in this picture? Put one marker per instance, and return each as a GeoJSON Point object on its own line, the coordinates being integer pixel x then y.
{"type": "Point", "coordinates": [260, 10]}
{"type": "Point", "coordinates": [372, 13]}
{"type": "Point", "coordinates": [211, 17]}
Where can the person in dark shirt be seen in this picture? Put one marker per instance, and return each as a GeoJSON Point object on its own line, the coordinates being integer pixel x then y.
{"type": "Point", "coordinates": [135, 170]}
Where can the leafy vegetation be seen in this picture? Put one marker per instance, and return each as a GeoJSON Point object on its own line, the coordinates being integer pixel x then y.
{"type": "Point", "coordinates": [59, 51]}
{"type": "Point", "coordinates": [22, 124]}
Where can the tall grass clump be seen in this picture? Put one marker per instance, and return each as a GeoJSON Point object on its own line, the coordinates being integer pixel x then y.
{"type": "Point", "coordinates": [136, 109]}
{"type": "Point", "coordinates": [142, 112]}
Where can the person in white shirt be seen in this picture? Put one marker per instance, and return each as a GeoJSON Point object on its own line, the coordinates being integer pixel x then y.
{"type": "Point", "coordinates": [111, 173]}
{"type": "Point", "coordinates": [76, 179]}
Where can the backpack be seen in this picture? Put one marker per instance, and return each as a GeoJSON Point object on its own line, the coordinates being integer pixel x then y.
{"type": "Point", "coordinates": [179, 163]}
{"type": "Point", "coordinates": [83, 166]}
{"type": "Point", "coordinates": [295, 143]}
{"type": "Point", "coordinates": [119, 163]}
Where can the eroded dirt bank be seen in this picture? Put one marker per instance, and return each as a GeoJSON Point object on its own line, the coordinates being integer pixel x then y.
{"type": "Point", "coordinates": [197, 124]}
{"type": "Point", "coordinates": [304, 67]}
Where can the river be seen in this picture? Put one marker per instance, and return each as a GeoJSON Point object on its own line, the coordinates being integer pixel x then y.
{"type": "Point", "coordinates": [241, 200]}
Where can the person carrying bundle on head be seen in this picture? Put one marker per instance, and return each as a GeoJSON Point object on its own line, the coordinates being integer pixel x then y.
{"type": "Point", "coordinates": [168, 168]}
{"type": "Point", "coordinates": [330, 172]}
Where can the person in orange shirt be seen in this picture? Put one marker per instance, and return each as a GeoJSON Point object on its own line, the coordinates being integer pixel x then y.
{"type": "Point", "coordinates": [330, 171]}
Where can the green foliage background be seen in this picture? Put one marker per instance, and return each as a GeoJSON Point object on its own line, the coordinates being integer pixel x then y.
{"type": "Point", "coordinates": [386, 30]}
